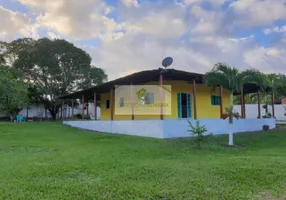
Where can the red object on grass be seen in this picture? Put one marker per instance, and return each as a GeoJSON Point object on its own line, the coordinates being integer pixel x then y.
{"type": "Point", "coordinates": [265, 127]}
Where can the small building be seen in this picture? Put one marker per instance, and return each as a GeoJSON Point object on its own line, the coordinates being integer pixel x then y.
{"type": "Point", "coordinates": [154, 104]}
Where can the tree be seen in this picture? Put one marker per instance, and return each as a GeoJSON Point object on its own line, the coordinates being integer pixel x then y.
{"type": "Point", "coordinates": [233, 80]}
{"type": "Point", "coordinates": [279, 86]}
{"type": "Point", "coordinates": [198, 132]}
{"type": "Point", "coordinates": [54, 67]}
{"type": "Point", "coordinates": [13, 92]}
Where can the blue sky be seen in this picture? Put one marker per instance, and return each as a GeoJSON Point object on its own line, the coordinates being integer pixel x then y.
{"type": "Point", "coordinates": [136, 35]}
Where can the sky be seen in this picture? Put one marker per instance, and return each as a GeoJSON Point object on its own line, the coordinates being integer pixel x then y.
{"type": "Point", "coordinates": [126, 36]}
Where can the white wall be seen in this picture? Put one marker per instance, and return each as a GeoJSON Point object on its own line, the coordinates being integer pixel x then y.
{"type": "Point", "coordinates": [100, 126]}
{"type": "Point", "coordinates": [251, 110]}
{"type": "Point", "coordinates": [170, 128]}
{"type": "Point", "coordinates": [35, 111]}
{"type": "Point", "coordinates": [180, 127]}
{"type": "Point", "coordinates": [145, 128]}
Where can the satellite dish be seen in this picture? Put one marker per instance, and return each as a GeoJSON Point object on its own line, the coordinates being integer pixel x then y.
{"type": "Point", "coordinates": [167, 62]}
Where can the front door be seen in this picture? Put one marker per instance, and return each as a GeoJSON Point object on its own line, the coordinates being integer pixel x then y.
{"type": "Point", "coordinates": [184, 105]}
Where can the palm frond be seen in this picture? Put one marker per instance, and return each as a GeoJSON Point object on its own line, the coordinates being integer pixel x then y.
{"type": "Point", "coordinates": [223, 75]}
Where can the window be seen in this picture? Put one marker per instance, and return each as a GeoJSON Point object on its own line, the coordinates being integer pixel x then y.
{"type": "Point", "coordinates": [215, 100]}
{"type": "Point", "coordinates": [107, 104]}
{"type": "Point", "coordinates": [121, 102]}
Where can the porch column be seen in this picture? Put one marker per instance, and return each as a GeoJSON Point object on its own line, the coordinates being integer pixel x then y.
{"type": "Point", "coordinates": [195, 98]}
{"type": "Point", "coordinates": [27, 113]}
{"type": "Point", "coordinates": [244, 113]}
{"type": "Point", "coordinates": [272, 101]}
{"type": "Point", "coordinates": [161, 97]}
{"type": "Point", "coordinates": [82, 107]}
{"type": "Point", "coordinates": [111, 104]}
{"type": "Point", "coordinates": [72, 108]}
{"type": "Point", "coordinates": [87, 108]}
{"type": "Point", "coordinates": [46, 114]}
{"type": "Point", "coordinates": [132, 101]}
{"type": "Point", "coordinates": [62, 116]}
{"type": "Point", "coordinates": [95, 106]}
{"type": "Point", "coordinates": [241, 104]}
{"type": "Point", "coordinates": [258, 101]}
{"type": "Point", "coordinates": [221, 101]}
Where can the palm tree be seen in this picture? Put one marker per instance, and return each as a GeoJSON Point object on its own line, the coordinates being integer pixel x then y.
{"type": "Point", "coordinates": [273, 87]}
{"type": "Point", "coordinates": [279, 86]}
{"type": "Point", "coordinates": [233, 80]}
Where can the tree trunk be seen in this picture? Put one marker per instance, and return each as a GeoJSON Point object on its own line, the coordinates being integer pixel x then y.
{"type": "Point", "coordinates": [53, 113]}
{"type": "Point", "coordinates": [27, 114]}
{"type": "Point", "coordinates": [231, 109]}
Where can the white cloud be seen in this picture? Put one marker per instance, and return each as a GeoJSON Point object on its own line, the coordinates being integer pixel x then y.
{"type": "Point", "coordinates": [250, 13]}
{"type": "Point", "coordinates": [147, 31]}
{"type": "Point", "coordinates": [15, 23]}
{"type": "Point", "coordinates": [131, 3]}
{"type": "Point", "coordinates": [79, 19]}
{"type": "Point", "coordinates": [277, 29]}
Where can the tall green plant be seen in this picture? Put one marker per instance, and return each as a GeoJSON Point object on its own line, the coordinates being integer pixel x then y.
{"type": "Point", "coordinates": [13, 92]}
{"type": "Point", "coordinates": [231, 79]}
{"type": "Point", "coordinates": [198, 132]}
{"type": "Point", "coordinates": [53, 67]}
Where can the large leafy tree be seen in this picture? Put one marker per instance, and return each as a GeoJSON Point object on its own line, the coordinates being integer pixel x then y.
{"type": "Point", "coordinates": [54, 67]}
{"type": "Point", "coordinates": [233, 80]}
{"type": "Point", "coordinates": [13, 91]}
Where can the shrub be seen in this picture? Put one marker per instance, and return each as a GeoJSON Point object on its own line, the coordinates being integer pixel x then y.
{"type": "Point", "coordinates": [198, 132]}
{"type": "Point", "coordinates": [268, 115]}
{"type": "Point", "coordinates": [230, 114]}
{"type": "Point", "coordinates": [265, 127]}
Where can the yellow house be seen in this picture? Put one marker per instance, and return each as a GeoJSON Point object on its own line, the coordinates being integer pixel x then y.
{"type": "Point", "coordinates": [188, 97]}
{"type": "Point", "coordinates": [152, 104]}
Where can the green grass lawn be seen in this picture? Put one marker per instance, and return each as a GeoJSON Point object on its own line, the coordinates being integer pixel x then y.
{"type": "Point", "coordinates": [51, 161]}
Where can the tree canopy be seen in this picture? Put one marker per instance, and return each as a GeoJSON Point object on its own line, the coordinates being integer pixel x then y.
{"type": "Point", "coordinates": [13, 91]}
{"type": "Point", "coordinates": [231, 78]}
{"type": "Point", "coordinates": [52, 68]}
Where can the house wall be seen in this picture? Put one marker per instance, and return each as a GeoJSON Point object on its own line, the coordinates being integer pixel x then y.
{"type": "Point", "coordinates": [252, 111]}
{"type": "Point", "coordinates": [204, 107]}
{"type": "Point", "coordinates": [170, 128]}
{"type": "Point", "coordinates": [36, 110]}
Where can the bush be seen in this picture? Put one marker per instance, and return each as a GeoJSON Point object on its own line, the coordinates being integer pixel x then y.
{"type": "Point", "coordinates": [230, 114]}
{"type": "Point", "coordinates": [265, 127]}
{"type": "Point", "coordinates": [198, 131]}
{"type": "Point", "coordinates": [268, 115]}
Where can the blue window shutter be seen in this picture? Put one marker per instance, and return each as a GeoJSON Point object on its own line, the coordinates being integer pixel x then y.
{"type": "Point", "coordinates": [179, 99]}
{"type": "Point", "coordinates": [189, 105]}
{"type": "Point", "coordinates": [217, 100]}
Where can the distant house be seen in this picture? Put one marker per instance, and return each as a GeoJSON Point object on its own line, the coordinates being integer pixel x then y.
{"type": "Point", "coordinates": [38, 111]}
